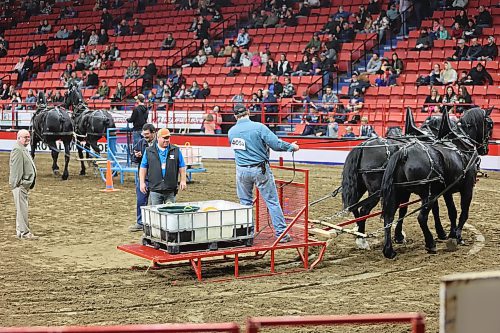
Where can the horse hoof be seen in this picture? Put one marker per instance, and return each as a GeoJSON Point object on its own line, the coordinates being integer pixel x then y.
{"type": "Point", "coordinates": [399, 240]}
{"type": "Point", "coordinates": [362, 244]}
{"type": "Point", "coordinates": [431, 250]}
{"type": "Point", "coordinates": [451, 244]}
{"type": "Point", "coordinates": [65, 177]}
{"type": "Point", "coordinates": [56, 172]}
{"type": "Point", "coordinates": [390, 254]}
{"type": "Point", "coordinates": [82, 173]}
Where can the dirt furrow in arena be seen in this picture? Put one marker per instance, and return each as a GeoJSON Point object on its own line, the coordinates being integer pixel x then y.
{"type": "Point", "coordinates": [75, 275]}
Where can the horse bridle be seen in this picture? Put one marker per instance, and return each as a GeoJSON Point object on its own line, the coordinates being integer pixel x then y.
{"type": "Point", "coordinates": [487, 127]}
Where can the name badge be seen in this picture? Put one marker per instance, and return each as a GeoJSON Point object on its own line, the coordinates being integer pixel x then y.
{"type": "Point", "coordinates": [238, 144]}
{"type": "Point", "coordinates": [172, 157]}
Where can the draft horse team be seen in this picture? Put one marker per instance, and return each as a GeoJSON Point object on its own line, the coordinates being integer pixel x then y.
{"type": "Point", "coordinates": [439, 159]}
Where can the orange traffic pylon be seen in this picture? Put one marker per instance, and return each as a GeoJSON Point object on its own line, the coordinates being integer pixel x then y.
{"type": "Point", "coordinates": [109, 179]}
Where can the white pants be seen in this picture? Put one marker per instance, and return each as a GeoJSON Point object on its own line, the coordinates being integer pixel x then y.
{"type": "Point", "coordinates": [21, 202]}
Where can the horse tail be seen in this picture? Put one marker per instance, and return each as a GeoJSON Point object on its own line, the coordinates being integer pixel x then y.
{"type": "Point", "coordinates": [350, 186]}
{"type": "Point", "coordinates": [388, 192]}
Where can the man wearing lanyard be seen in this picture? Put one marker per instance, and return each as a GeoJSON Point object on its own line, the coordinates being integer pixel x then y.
{"type": "Point", "coordinates": [251, 142]}
{"type": "Point", "coordinates": [149, 136]}
{"type": "Point", "coordinates": [162, 163]}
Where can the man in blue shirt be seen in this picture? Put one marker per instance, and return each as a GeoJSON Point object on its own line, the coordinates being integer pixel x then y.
{"type": "Point", "coordinates": [162, 163]}
{"type": "Point", "coordinates": [251, 142]}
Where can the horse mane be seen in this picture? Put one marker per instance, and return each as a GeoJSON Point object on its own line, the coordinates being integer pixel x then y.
{"type": "Point", "coordinates": [410, 127]}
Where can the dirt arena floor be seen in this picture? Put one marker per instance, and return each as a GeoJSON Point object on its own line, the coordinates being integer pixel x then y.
{"type": "Point", "coordinates": [74, 275]}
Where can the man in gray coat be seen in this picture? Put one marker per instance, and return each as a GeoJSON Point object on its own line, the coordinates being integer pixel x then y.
{"type": "Point", "coordinates": [22, 179]}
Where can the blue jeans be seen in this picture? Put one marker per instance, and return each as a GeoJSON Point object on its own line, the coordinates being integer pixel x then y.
{"type": "Point", "coordinates": [142, 200]}
{"type": "Point", "coordinates": [246, 178]}
{"type": "Point", "coordinates": [136, 137]}
{"type": "Point", "coordinates": [161, 198]}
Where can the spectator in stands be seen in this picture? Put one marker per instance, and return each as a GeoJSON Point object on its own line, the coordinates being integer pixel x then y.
{"type": "Point", "coordinates": [217, 16]}
{"type": "Point", "coordinates": [304, 67]}
{"type": "Point", "coordinates": [106, 19]}
{"type": "Point", "coordinates": [193, 25]}
{"type": "Point", "coordinates": [490, 50]}
{"type": "Point", "coordinates": [392, 14]}
{"type": "Point", "coordinates": [74, 80]}
{"type": "Point", "coordinates": [65, 79]}
{"type": "Point", "coordinates": [457, 32]}
{"type": "Point", "coordinates": [27, 68]}
{"type": "Point", "coordinates": [341, 13]}
{"type": "Point", "coordinates": [288, 89]}
{"type": "Point", "coordinates": [366, 130]}
{"type": "Point", "coordinates": [44, 27]}
{"type": "Point", "coordinates": [238, 98]}
{"type": "Point", "coordinates": [442, 33]}
{"type": "Point", "coordinates": [198, 61]}
{"type": "Point", "coordinates": [4, 43]}
{"type": "Point", "coordinates": [448, 75]}
{"type": "Point", "coordinates": [18, 66]}
{"type": "Point", "coordinates": [193, 91]}
{"type": "Point", "coordinates": [465, 79]}
{"type": "Point", "coordinates": [16, 99]}
{"type": "Point", "coordinates": [205, 91]}
{"type": "Point", "coordinates": [290, 20]}
{"type": "Point", "coordinates": [474, 50]}
{"type": "Point", "coordinates": [62, 33]}
{"type": "Point", "coordinates": [137, 28]}
{"type": "Point", "coordinates": [312, 120]}
{"type": "Point", "coordinates": [114, 53]}
{"type": "Point", "coordinates": [32, 50]}
{"type": "Point", "coordinates": [82, 62]}
{"type": "Point", "coordinates": [271, 21]}
{"type": "Point", "coordinates": [387, 79]}
{"type": "Point", "coordinates": [122, 29]}
{"type": "Point", "coordinates": [303, 10]}
{"type": "Point", "coordinates": [424, 41]}
{"type": "Point", "coordinates": [151, 67]}
{"type": "Point", "coordinates": [313, 43]}
{"type": "Point", "coordinates": [207, 48]}
{"type": "Point", "coordinates": [284, 67]}
{"type": "Point", "coordinates": [246, 58]}
{"type": "Point", "coordinates": [348, 130]}
{"type": "Point", "coordinates": [77, 36]}
{"type": "Point", "coordinates": [356, 103]}
{"type": "Point", "coordinates": [449, 100]}
{"type": "Point", "coordinates": [480, 76]}
{"type": "Point", "coordinates": [93, 39]}
{"type": "Point", "coordinates": [58, 97]}
{"type": "Point", "coordinates": [265, 56]}
{"type": "Point", "coordinates": [396, 63]}
{"type": "Point", "coordinates": [119, 93]}
{"type": "Point", "coordinates": [346, 34]}
{"type": "Point", "coordinates": [168, 43]}
{"type": "Point", "coordinates": [381, 24]}
{"type": "Point", "coordinates": [68, 12]}
{"type": "Point", "coordinates": [312, 3]}
{"type": "Point", "coordinates": [460, 51]}
{"type": "Point", "coordinates": [374, 64]}
{"type": "Point", "coordinates": [212, 121]}
{"type": "Point", "coordinates": [471, 30]}
{"type": "Point", "coordinates": [181, 92]}
{"type": "Point", "coordinates": [432, 102]}
{"type": "Point", "coordinates": [462, 18]}
{"type": "Point", "coordinates": [92, 80]}
{"type": "Point", "coordinates": [270, 109]}
{"type": "Point", "coordinates": [106, 63]}
{"type": "Point", "coordinates": [463, 98]}
{"type": "Point", "coordinates": [356, 84]}
{"type": "Point", "coordinates": [271, 68]}
{"type": "Point", "coordinates": [202, 29]}
{"type": "Point", "coordinates": [275, 87]}
{"type": "Point", "coordinates": [255, 108]}
{"type": "Point", "coordinates": [4, 92]}
{"type": "Point", "coordinates": [30, 97]}
{"type": "Point", "coordinates": [329, 26]}
{"type": "Point", "coordinates": [116, 4]}
{"type": "Point", "coordinates": [368, 26]}
{"type": "Point", "coordinates": [243, 38]}
{"type": "Point", "coordinates": [103, 38]}
{"type": "Point", "coordinates": [483, 18]}
{"type": "Point", "coordinates": [459, 4]}
{"type": "Point", "coordinates": [256, 21]}
{"type": "Point", "coordinates": [328, 101]}
{"type": "Point", "coordinates": [102, 91]}
{"type": "Point", "coordinates": [3, 51]}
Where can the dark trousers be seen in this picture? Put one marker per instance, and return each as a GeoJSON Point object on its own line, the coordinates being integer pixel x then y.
{"type": "Point", "coordinates": [142, 200]}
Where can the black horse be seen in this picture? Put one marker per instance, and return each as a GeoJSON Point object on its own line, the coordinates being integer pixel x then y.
{"type": "Point", "coordinates": [429, 170]}
{"type": "Point", "coordinates": [48, 125]}
{"type": "Point", "coordinates": [364, 168]}
{"type": "Point", "coordinates": [90, 125]}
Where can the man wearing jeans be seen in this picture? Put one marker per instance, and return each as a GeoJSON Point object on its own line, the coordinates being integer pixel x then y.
{"type": "Point", "coordinates": [162, 163]}
{"type": "Point", "coordinates": [251, 142]}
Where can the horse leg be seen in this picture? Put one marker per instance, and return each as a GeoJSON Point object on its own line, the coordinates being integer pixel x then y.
{"type": "Point", "coordinates": [390, 207]}
{"type": "Point", "coordinates": [34, 143]}
{"type": "Point", "coordinates": [399, 236]}
{"type": "Point", "coordinates": [55, 155]}
{"type": "Point", "coordinates": [363, 211]}
{"type": "Point", "coordinates": [80, 156]}
{"type": "Point", "coordinates": [441, 234]}
{"type": "Point", "coordinates": [465, 200]}
{"type": "Point", "coordinates": [423, 217]}
{"type": "Point", "coordinates": [65, 174]}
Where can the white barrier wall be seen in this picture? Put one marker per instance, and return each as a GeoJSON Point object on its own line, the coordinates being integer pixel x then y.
{"type": "Point", "coordinates": [470, 303]}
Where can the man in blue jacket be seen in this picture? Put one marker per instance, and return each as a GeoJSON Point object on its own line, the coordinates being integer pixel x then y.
{"type": "Point", "coordinates": [251, 142]}
{"type": "Point", "coordinates": [149, 135]}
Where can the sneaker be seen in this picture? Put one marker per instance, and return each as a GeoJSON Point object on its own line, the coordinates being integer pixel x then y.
{"type": "Point", "coordinates": [135, 227]}
{"type": "Point", "coordinates": [28, 236]}
{"type": "Point", "coordinates": [286, 239]}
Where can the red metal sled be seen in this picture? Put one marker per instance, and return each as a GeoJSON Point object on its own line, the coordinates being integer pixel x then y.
{"type": "Point", "coordinates": [293, 188]}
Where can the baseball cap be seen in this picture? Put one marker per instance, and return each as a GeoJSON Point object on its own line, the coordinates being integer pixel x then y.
{"type": "Point", "coordinates": [140, 97]}
{"type": "Point", "coordinates": [164, 133]}
{"type": "Point", "coordinates": [355, 73]}
{"type": "Point", "coordinates": [239, 109]}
